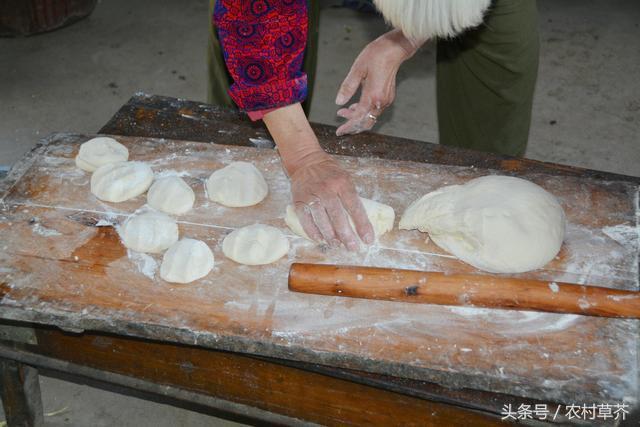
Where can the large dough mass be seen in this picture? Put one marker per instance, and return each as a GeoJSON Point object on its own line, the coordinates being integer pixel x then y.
{"type": "Point", "coordinates": [186, 260]}
{"type": "Point", "coordinates": [237, 185]}
{"type": "Point", "coordinates": [100, 151]}
{"type": "Point", "coordinates": [380, 215]}
{"type": "Point", "coordinates": [498, 224]}
{"type": "Point", "coordinates": [151, 232]}
{"type": "Point", "coordinates": [117, 182]}
{"type": "Point", "coordinates": [171, 195]}
{"type": "Point", "coordinates": [256, 244]}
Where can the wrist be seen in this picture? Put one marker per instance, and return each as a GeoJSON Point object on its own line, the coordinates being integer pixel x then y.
{"type": "Point", "coordinates": [407, 46]}
{"type": "Point", "coordinates": [295, 140]}
{"type": "Point", "coordinates": [304, 158]}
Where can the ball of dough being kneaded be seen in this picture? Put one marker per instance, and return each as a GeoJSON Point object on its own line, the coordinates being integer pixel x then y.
{"type": "Point", "coordinates": [380, 215]}
{"type": "Point", "coordinates": [171, 195]}
{"type": "Point", "coordinates": [117, 182]}
{"type": "Point", "coordinates": [100, 151]}
{"type": "Point", "coordinates": [151, 232]}
{"type": "Point", "coordinates": [256, 244]}
{"type": "Point", "coordinates": [499, 224]}
{"type": "Point", "coordinates": [237, 185]}
{"type": "Point", "coordinates": [186, 260]}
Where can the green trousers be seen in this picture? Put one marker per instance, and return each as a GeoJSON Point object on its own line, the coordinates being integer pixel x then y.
{"type": "Point", "coordinates": [485, 78]}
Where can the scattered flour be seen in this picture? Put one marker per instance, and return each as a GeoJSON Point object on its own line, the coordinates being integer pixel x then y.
{"type": "Point", "coordinates": [170, 172]}
{"type": "Point", "coordinates": [262, 142]}
{"type": "Point", "coordinates": [554, 287]}
{"type": "Point", "coordinates": [626, 235]}
{"type": "Point", "coordinates": [618, 298]}
{"type": "Point", "coordinates": [513, 322]}
{"type": "Point", "coordinates": [583, 304]}
{"type": "Point", "coordinates": [145, 263]}
{"type": "Point", "coordinates": [44, 231]}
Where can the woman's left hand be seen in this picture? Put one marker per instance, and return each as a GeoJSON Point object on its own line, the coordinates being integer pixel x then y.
{"type": "Point", "coordinates": [375, 69]}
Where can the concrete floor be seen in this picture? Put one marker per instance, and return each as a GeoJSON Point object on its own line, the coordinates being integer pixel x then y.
{"type": "Point", "coordinates": [586, 113]}
{"type": "Point", "coordinates": [70, 404]}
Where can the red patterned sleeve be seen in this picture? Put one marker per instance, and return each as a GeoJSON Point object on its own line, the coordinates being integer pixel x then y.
{"type": "Point", "coordinates": [263, 43]}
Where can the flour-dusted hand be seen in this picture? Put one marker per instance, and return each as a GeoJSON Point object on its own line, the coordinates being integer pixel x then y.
{"type": "Point", "coordinates": [322, 191]}
{"type": "Point", "coordinates": [324, 197]}
{"type": "Point", "coordinates": [375, 69]}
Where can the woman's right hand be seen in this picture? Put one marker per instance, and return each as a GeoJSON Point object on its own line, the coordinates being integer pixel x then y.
{"type": "Point", "coordinates": [374, 70]}
{"type": "Point", "coordinates": [324, 197]}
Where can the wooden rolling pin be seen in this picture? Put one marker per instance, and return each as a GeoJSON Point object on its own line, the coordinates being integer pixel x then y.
{"type": "Point", "coordinates": [467, 290]}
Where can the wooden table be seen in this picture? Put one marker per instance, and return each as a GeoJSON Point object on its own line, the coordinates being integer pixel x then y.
{"type": "Point", "coordinates": [247, 349]}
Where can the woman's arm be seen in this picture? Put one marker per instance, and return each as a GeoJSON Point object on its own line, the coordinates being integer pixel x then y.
{"type": "Point", "coordinates": [263, 44]}
{"type": "Point", "coordinates": [375, 69]}
{"type": "Point", "coordinates": [323, 193]}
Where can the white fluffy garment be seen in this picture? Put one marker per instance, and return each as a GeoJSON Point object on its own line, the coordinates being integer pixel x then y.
{"type": "Point", "coordinates": [426, 19]}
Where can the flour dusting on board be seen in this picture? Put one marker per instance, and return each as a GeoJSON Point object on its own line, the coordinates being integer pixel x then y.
{"type": "Point", "coordinates": [170, 172]}
{"type": "Point", "coordinates": [145, 263]}
{"type": "Point", "coordinates": [44, 231]}
{"type": "Point", "coordinates": [593, 257]}
{"type": "Point", "coordinates": [253, 306]}
{"type": "Point", "coordinates": [625, 235]}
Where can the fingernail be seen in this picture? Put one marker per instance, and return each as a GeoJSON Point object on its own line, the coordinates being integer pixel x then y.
{"type": "Point", "coordinates": [340, 99]}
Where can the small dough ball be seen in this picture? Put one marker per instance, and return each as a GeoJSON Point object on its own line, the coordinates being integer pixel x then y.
{"type": "Point", "coordinates": [151, 232]}
{"type": "Point", "coordinates": [171, 195]}
{"type": "Point", "coordinates": [100, 151]}
{"type": "Point", "coordinates": [117, 182]}
{"type": "Point", "coordinates": [186, 261]}
{"type": "Point", "coordinates": [499, 224]}
{"type": "Point", "coordinates": [380, 215]}
{"type": "Point", "coordinates": [255, 244]}
{"type": "Point", "coordinates": [238, 185]}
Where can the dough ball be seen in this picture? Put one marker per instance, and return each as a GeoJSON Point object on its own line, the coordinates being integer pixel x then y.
{"type": "Point", "coordinates": [256, 244]}
{"type": "Point", "coordinates": [171, 195]}
{"type": "Point", "coordinates": [151, 232]}
{"type": "Point", "coordinates": [238, 185]}
{"type": "Point", "coordinates": [117, 182]}
{"type": "Point", "coordinates": [498, 224]}
{"type": "Point", "coordinates": [186, 261]}
{"type": "Point", "coordinates": [100, 151]}
{"type": "Point", "coordinates": [380, 215]}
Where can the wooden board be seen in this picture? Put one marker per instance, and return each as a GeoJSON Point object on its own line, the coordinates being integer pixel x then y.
{"type": "Point", "coordinates": [305, 397]}
{"type": "Point", "coordinates": [56, 267]}
{"type": "Point", "coordinates": [156, 116]}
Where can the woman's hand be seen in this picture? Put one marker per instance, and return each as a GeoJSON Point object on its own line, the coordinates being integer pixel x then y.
{"type": "Point", "coordinates": [324, 198]}
{"type": "Point", "coordinates": [375, 69]}
{"type": "Point", "coordinates": [323, 193]}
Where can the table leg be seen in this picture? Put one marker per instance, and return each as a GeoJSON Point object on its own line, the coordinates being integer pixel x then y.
{"type": "Point", "coordinates": [20, 394]}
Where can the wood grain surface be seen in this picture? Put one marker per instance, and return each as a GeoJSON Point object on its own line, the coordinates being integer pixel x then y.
{"type": "Point", "coordinates": [147, 115]}
{"type": "Point", "coordinates": [297, 393]}
{"type": "Point", "coordinates": [465, 290]}
{"type": "Point", "coordinates": [57, 267]}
